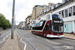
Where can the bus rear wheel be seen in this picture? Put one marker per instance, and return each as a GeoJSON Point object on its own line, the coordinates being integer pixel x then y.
{"type": "Point", "coordinates": [34, 33]}
{"type": "Point", "coordinates": [44, 34]}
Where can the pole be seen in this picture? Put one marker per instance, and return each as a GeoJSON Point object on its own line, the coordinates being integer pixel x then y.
{"type": "Point", "coordinates": [12, 29]}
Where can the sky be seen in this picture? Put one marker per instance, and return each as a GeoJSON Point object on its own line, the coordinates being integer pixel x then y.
{"type": "Point", "coordinates": [23, 8]}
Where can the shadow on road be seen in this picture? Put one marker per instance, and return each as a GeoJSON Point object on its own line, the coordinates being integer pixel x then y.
{"type": "Point", "coordinates": [48, 37]}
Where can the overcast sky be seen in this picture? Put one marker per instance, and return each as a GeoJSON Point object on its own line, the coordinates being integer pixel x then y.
{"type": "Point", "coordinates": [23, 8]}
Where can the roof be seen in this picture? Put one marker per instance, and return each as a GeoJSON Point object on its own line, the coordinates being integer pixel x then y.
{"type": "Point", "coordinates": [63, 4]}
{"type": "Point", "coordinates": [59, 5]}
{"type": "Point", "coordinates": [37, 6]}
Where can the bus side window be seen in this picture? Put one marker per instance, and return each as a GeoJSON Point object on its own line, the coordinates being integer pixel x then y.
{"type": "Point", "coordinates": [47, 28]}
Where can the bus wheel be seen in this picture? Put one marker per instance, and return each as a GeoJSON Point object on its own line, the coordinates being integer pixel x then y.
{"type": "Point", "coordinates": [34, 33]}
{"type": "Point", "coordinates": [44, 34]}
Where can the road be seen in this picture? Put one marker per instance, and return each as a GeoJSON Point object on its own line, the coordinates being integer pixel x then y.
{"type": "Point", "coordinates": [4, 35]}
{"type": "Point", "coordinates": [28, 41]}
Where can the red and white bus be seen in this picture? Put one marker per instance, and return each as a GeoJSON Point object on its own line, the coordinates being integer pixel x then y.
{"type": "Point", "coordinates": [50, 25]}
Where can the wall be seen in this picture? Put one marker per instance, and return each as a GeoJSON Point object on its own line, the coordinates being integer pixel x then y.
{"type": "Point", "coordinates": [68, 27]}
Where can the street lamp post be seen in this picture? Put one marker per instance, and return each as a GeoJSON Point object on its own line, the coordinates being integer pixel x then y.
{"type": "Point", "coordinates": [12, 29]}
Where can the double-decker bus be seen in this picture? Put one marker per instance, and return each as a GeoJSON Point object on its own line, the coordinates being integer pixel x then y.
{"type": "Point", "coordinates": [50, 25]}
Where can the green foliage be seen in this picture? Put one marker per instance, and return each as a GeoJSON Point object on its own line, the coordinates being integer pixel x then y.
{"type": "Point", "coordinates": [4, 22]}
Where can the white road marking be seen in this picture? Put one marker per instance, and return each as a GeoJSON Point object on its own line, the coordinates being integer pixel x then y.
{"type": "Point", "coordinates": [68, 47]}
{"type": "Point", "coordinates": [22, 41]}
{"type": "Point", "coordinates": [52, 42]}
{"type": "Point", "coordinates": [65, 47]}
{"type": "Point", "coordinates": [4, 38]}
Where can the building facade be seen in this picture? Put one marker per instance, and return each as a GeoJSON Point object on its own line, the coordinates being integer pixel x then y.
{"type": "Point", "coordinates": [67, 9]}
{"type": "Point", "coordinates": [36, 10]}
{"type": "Point", "coordinates": [47, 10]}
{"type": "Point", "coordinates": [21, 25]}
{"type": "Point", "coordinates": [50, 4]}
{"type": "Point", "coordinates": [28, 22]}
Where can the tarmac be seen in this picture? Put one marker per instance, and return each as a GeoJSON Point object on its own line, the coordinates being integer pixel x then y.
{"type": "Point", "coordinates": [67, 35]}
{"type": "Point", "coordinates": [12, 44]}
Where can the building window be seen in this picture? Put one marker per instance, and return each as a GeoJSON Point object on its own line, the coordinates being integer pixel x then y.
{"type": "Point", "coordinates": [66, 13]}
{"type": "Point", "coordinates": [73, 10]}
{"type": "Point", "coordinates": [44, 7]}
{"type": "Point", "coordinates": [63, 13]}
{"type": "Point", "coordinates": [70, 11]}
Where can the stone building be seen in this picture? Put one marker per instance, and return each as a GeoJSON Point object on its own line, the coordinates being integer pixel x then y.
{"type": "Point", "coordinates": [28, 21]}
{"type": "Point", "coordinates": [37, 9]}
{"type": "Point", "coordinates": [21, 25]}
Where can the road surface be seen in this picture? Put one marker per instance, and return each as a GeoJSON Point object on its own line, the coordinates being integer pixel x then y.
{"type": "Point", "coordinates": [28, 41]}
{"type": "Point", "coordinates": [3, 36]}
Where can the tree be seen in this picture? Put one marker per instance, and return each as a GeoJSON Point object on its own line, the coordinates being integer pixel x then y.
{"type": "Point", "coordinates": [4, 22]}
{"type": "Point", "coordinates": [2, 18]}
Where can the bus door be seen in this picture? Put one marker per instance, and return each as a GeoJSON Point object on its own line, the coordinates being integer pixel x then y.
{"type": "Point", "coordinates": [47, 29]}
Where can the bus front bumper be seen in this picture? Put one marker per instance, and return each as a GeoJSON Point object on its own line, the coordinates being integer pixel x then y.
{"type": "Point", "coordinates": [54, 36]}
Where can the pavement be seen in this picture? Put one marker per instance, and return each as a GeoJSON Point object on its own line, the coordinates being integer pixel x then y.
{"type": "Point", "coordinates": [11, 44]}
{"type": "Point", "coordinates": [70, 36]}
